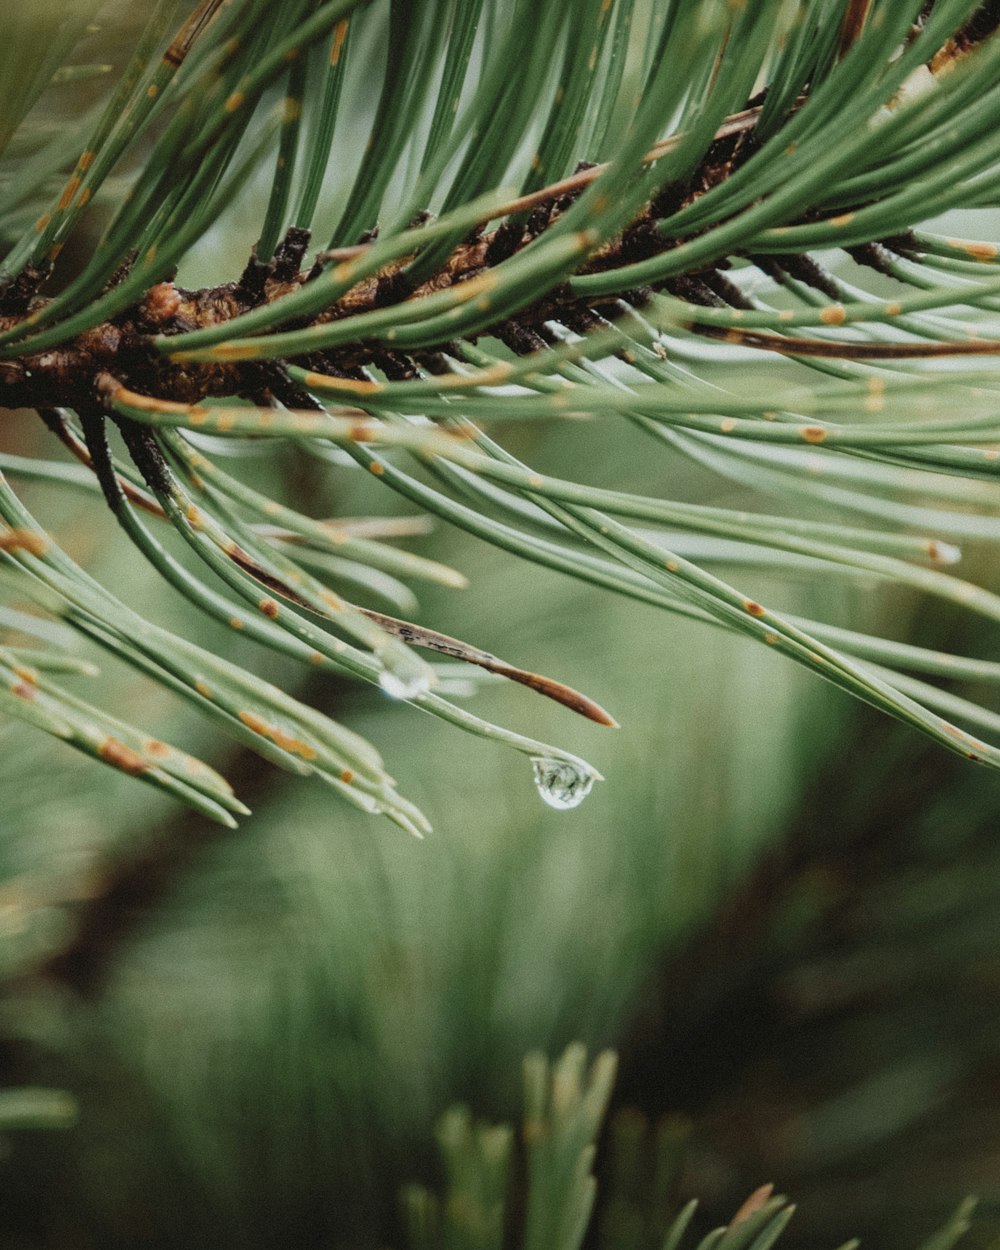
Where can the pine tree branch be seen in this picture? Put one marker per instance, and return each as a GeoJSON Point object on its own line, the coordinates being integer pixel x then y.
{"type": "Point", "coordinates": [797, 169]}
{"type": "Point", "coordinates": [66, 375]}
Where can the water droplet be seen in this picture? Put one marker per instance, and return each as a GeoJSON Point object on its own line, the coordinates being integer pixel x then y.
{"type": "Point", "coordinates": [403, 687]}
{"type": "Point", "coordinates": [944, 553]}
{"type": "Point", "coordinates": [561, 783]}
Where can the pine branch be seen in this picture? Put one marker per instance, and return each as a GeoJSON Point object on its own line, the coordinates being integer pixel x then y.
{"type": "Point", "coordinates": [570, 296]}
{"type": "Point", "coordinates": [68, 375]}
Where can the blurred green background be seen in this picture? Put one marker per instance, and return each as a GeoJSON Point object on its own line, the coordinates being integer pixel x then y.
{"type": "Point", "coordinates": [308, 994]}
{"type": "Point", "coordinates": [782, 912]}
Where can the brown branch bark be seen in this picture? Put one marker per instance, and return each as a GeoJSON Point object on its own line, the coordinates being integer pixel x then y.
{"type": "Point", "coordinates": [65, 376]}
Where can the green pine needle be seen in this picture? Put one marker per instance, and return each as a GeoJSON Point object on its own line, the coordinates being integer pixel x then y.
{"type": "Point", "coordinates": [752, 278]}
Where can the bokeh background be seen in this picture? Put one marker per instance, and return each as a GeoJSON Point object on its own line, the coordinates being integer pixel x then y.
{"type": "Point", "coordinates": [779, 909]}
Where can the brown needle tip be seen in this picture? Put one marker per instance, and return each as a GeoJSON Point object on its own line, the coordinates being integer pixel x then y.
{"type": "Point", "coordinates": [565, 695]}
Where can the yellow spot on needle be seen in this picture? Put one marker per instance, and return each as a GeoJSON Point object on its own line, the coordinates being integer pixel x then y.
{"type": "Point", "coordinates": [834, 315]}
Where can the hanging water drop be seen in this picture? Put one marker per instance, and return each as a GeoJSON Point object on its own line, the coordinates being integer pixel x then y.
{"type": "Point", "coordinates": [561, 783]}
{"type": "Point", "coordinates": [403, 687]}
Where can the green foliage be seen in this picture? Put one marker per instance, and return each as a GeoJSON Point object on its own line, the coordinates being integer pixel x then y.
{"type": "Point", "coordinates": [755, 288]}
{"type": "Point", "coordinates": [564, 301]}
{"type": "Point", "coordinates": [563, 1112]}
